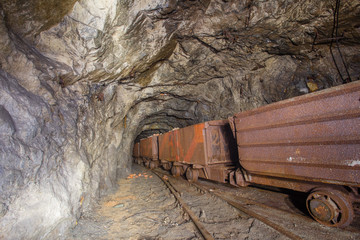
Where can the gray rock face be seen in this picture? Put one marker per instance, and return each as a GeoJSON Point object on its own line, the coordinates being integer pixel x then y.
{"type": "Point", "coordinates": [42, 172]}
{"type": "Point", "coordinates": [81, 80]}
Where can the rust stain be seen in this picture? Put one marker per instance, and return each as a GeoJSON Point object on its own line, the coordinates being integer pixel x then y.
{"type": "Point", "coordinates": [321, 128]}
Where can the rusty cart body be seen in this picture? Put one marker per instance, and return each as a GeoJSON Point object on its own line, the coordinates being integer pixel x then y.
{"type": "Point", "coordinates": [201, 150]}
{"type": "Point", "coordinates": [136, 153]}
{"type": "Point", "coordinates": [149, 151]}
{"type": "Point", "coordinates": [168, 152]}
{"type": "Point", "coordinates": [309, 143]}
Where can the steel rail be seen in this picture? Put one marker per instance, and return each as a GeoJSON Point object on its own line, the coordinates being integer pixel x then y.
{"type": "Point", "coordinates": [235, 205]}
{"type": "Point", "coordinates": [192, 215]}
{"type": "Point", "coordinates": [257, 216]}
{"type": "Point", "coordinates": [252, 214]}
{"type": "Point", "coordinates": [252, 202]}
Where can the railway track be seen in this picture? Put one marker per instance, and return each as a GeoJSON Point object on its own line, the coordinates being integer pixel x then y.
{"type": "Point", "coordinates": [300, 227]}
{"type": "Point", "coordinates": [250, 202]}
{"type": "Point", "coordinates": [202, 229]}
{"type": "Point", "coordinates": [204, 232]}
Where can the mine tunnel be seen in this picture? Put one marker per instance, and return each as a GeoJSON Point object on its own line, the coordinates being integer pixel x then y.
{"type": "Point", "coordinates": [83, 81]}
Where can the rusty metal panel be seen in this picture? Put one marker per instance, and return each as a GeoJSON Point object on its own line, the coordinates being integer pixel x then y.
{"type": "Point", "coordinates": [149, 147]}
{"type": "Point", "coordinates": [219, 172]}
{"type": "Point", "coordinates": [155, 147]}
{"type": "Point", "coordinates": [299, 185]}
{"type": "Point", "coordinates": [136, 150]}
{"type": "Point", "coordinates": [200, 144]}
{"type": "Point", "coordinates": [206, 143]}
{"type": "Point", "coordinates": [146, 147]}
{"type": "Point", "coordinates": [191, 144]}
{"type": "Point", "coordinates": [168, 146]}
{"type": "Point", "coordinates": [315, 137]}
{"type": "Point", "coordinates": [220, 144]}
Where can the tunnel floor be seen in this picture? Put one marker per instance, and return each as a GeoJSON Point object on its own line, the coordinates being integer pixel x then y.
{"type": "Point", "coordinates": [144, 208]}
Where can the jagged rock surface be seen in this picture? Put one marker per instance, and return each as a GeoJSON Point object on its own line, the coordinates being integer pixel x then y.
{"type": "Point", "coordinates": [80, 80]}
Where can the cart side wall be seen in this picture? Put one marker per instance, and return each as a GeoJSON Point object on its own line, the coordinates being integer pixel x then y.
{"type": "Point", "coordinates": [168, 146]}
{"type": "Point", "coordinates": [148, 147]}
{"type": "Point", "coordinates": [220, 143]}
{"type": "Point", "coordinates": [191, 144]}
{"type": "Point", "coordinates": [206, 143]}
{"type": "Point", "coordinates": [136, 150]}
{"type": "Point", "coordinates": [145, 148]}
{"type": "Point", "coordinates": [315, 137]}
{"type": "Point", "coordinates": [155, 147]}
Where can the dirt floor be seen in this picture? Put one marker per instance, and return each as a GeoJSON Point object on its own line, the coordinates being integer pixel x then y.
{"type": "Point", "coordinates": [144, 208]}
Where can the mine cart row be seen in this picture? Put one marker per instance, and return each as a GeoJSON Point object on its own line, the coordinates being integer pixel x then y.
{"type": "Point", "coordinates": [205, 150]}
{"type": "Point", "coordinates": [309, 143]}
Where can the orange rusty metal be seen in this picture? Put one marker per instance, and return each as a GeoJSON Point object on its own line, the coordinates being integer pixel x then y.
{"type": "Point", "coordinates": [149, 148]}
{"type": "Point", "coordinates": [168, 146]}
{"type": "Point", "coordinates": [191, 148]}
{"type": "Point", "coordinates": [204, 145]}
{"type": "Point", "coordinates": [136, 150]}
{"type": "Point", "coordinates": [304, 141]}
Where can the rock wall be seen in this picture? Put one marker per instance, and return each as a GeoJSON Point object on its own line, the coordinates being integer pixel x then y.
{"type": "Point", "coordinates": [81, 80]}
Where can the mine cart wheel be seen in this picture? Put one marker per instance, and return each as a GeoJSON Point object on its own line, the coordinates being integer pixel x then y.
{"type": "Point", "coordinates": [167, 166]}
{"type": "Point", "coordinates": [192, 174]}
{"type": "Point", "coordinates": [152, 165]}
{"type": "Point", "coordinates": [176, 171]}
{"type": "Point", "coordinates": [330, 207]}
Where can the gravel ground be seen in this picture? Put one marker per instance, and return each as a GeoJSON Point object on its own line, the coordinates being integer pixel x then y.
{"type": "Point", "coordinates": [143, 208]}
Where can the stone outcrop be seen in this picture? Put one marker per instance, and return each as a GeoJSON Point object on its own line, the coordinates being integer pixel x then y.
{"type": "Point", "coordinates": [81, 80]}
